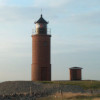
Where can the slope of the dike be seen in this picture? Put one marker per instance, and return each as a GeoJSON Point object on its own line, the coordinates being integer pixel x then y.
{"type": "Point", "coordinates": [28, 90]}
{"type": "Point", "coordinates": [25, 87]}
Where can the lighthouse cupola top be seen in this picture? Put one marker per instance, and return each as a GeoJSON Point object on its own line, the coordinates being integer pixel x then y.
{"type": "Point", "coordinates": [41, 20]}
{"type": "Point", "coordinates": [41, 26]}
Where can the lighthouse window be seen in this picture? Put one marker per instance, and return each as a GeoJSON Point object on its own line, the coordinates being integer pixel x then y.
{"type": "Point", "coordinates": [41, 26]}
{"type": "Point", "coordinates": [41, 30]}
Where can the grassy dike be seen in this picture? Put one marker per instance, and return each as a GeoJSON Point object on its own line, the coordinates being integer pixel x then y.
{"type": "Point", "coordinates": [85, 84]}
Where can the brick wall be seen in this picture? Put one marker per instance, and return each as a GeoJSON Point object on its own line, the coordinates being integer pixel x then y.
{"type": "Point", "coordinates": [41, 65]}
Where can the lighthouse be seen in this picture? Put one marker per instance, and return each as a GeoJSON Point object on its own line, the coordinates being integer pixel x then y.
{"type": "Point", "coordinates": [41, 65]}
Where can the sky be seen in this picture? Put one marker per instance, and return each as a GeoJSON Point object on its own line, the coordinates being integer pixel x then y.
{"type": "Point", "coordinates": [75, 41]}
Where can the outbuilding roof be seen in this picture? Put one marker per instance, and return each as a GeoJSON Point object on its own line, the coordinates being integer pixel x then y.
{"type": "Point", "coordinates": [75, 68]}
{"type": "Point", "coordinates": [41, 20]}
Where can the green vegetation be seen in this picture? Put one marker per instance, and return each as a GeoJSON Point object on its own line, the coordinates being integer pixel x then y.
{"type": "Point", "coordinates": [88, 84]}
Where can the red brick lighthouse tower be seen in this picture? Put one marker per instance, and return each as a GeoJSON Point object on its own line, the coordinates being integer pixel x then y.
{"type": "Point", "coordinates": [41, 67]}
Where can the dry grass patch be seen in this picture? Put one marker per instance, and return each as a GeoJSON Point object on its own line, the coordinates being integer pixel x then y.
{"type": "Point", "coordinates": [96, 99]}
{"type": "Point", "coordinates": [71, 95]}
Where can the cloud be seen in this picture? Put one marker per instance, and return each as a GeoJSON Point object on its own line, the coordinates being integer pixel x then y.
{"type": "Point", "coordinates": [16, 3]}
{"type": "Point", "coordinates": [75, 44]}
{"type": "Point", "coordinates": [3, 2]}
{"type": "Point", "coordinates": [58, 15]}
{"type": "Point", "coordinates": [15, 13]}
{"type": "Point", "coordinates": [15, 49]}
{"type": "Point", "coordinates": [90, 18]}
{"type": "Point", "coordinates": [35, 3]}
{"type": "Point", "coordinates": [50, 3]}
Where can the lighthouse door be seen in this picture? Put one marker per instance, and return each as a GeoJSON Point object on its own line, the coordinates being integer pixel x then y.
{"type": "Point", "coordinates": [43, 73]}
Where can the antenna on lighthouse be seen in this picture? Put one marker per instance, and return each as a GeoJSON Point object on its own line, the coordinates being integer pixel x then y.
{"type": "Point", "coordinates": [41, 10]}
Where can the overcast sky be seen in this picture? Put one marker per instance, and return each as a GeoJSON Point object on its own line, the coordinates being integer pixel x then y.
{"type": "Point", "coordinates": [75, 29]}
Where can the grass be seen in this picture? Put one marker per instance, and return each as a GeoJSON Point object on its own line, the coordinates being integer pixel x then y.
{"type": "Point", "coordinates": [71, 96]}
{"type": "Point", "coordinates": [88, 84]}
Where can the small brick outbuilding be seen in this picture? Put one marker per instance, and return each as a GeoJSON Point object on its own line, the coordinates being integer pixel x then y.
{"type": "Point", "coordinates": [75, 73]}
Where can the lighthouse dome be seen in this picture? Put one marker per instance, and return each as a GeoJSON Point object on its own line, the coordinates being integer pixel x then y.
{"type": "Point", "coordinates": [41, 20]}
